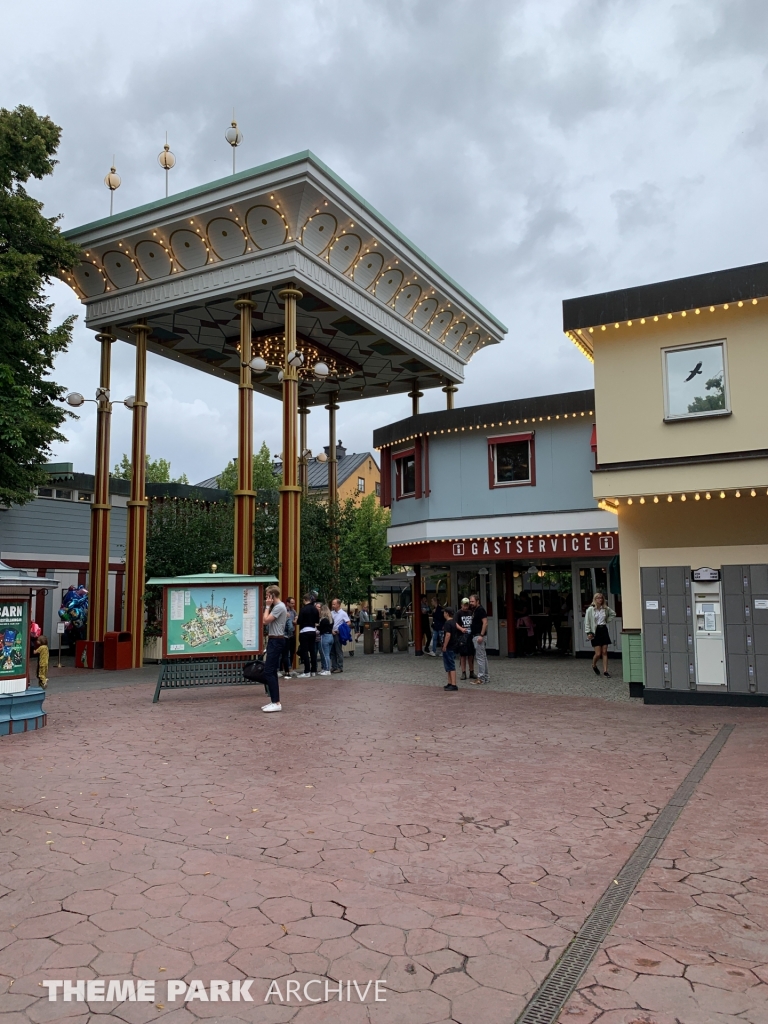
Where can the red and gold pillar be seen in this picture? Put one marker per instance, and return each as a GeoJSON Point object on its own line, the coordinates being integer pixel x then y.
{"type": "Point", "coordinates": [414, 396]}
{"type": "Point", "coordinates": [98, 563]}
{"type": "Point", "coordinates": [245, 496]}
{"type": "Point", "coordinates": [136, 541]}
{"type": "Point", "coordinates": [333, 466]}
{"type": "Point", "coordinates": [509, 600]}
{"type": "Point", "coordinates": [290, 490]}
{"type": "Point", "coordinates": [418, 636]}
{"type": "Point", "coordinates": [303, 464]}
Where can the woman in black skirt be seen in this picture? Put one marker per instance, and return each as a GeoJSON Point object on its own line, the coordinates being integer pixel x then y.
{"type": "Point", "coordinates": [596, 626]}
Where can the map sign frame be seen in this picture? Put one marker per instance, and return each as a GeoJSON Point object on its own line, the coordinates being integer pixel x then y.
{"type": "Point", "coordinates": [14, 638]}
{"type": "Point", "coordinates": [212, 620]}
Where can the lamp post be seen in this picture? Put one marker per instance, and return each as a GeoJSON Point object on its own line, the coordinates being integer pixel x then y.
{"type": "Point", "coordinates": [234, 137]}
{"type": "Point", "coordinates": [98, 562]}
{"type": "Point", "coordinates": [290, 491]}
{"type": "Point", "coordinates": [166, 160]}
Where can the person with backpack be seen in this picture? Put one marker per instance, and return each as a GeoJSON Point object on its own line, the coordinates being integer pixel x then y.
{"type": "Point", "coordinates": [306, 623]}
{"type": "Point", "coordinates": [290, 639]}
{"type": "Point", "coordinates": [342, 634]}
{"type": "Point", "coordinates": [325, 633]}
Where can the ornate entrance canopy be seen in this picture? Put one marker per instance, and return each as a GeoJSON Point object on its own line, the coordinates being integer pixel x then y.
{"type": "Point", "coordinates": [375, 309]}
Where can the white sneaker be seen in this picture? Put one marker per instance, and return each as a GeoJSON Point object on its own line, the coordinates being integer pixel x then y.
{"type": "Point", "coordinates": [432, 654]}
{"type": "Point", "coordinates": [323, 673]}
{"type": "Point", "coordinates": [303, 675]}
{"type": "Point", "coordinates": [313, 673]}
{"type": "Point", "coordinates": [272, 707]}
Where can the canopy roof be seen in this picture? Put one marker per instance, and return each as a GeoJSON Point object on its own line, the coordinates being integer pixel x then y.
{"type": "Point", "coordinates": [376, 309]}
{"type": "Point", "coordinates": [199, 578]}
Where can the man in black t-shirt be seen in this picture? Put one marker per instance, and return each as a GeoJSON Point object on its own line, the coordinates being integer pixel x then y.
{"type": "Point", "coordinates": [479, 629]}
{"type": "Point", "coordinates": [466, 650]}
{"type": "Point", "coordinates": [451, 634]}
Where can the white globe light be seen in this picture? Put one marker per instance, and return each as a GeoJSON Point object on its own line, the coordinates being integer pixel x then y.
{"type": "Point", "coordinates": [74, 399]}
{"type": "Point", "coordinates": [129, 402]}
{"type": "Point", "coordinates": [322, 457]}
{"type": "Point", "coordinates": [233, 135]}
{"type": "Point", "coordinates": [258, 365]}
{"type": "Point", "coordinates": [321, 370]}
{"type": "Point", "coordinates": [166, 159]}
{"type": "Point", "coordinates": [280, 376]}
{"type": "Point", "coordinates": [112, 180]}
{"type": "Point", "coordinates": [296, 358]}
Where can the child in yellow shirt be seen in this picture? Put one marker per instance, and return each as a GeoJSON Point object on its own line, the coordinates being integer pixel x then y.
{"type": "Point", "coordinates": [42, 661]}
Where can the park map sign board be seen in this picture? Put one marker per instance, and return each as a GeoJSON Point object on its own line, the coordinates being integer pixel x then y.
{"type": "Point", "coordinates": [212, 614]}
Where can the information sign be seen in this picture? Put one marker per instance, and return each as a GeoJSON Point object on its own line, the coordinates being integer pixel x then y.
{"type": "Point", "coordinates": [210, 620]}
{"type": "Point", "coordinates": [14, 637]}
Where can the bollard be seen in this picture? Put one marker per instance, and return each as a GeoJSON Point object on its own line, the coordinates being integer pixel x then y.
{"type": "Point", "coordinates": [385, 644]}
{"type": "Point", "coordinates": [368, 638]}
{"type": "Point", "coordinates": [402, 634]}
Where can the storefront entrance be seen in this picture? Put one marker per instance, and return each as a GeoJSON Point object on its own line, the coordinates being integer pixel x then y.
{"type": "Point", "coordinates": [588, 579]}
{"type": "Point", "coordinates": [468, 580]}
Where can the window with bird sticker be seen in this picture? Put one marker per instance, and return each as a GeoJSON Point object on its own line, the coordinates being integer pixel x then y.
{"type": "Point", "coordinates": [695, 381]}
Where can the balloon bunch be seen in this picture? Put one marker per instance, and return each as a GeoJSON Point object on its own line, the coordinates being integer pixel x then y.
{"type": "Point", "coordinates": [74, 608]}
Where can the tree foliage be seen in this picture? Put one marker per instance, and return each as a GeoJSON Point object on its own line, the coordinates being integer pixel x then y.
{"type": "Point", "coordinates": [263, 473]}
{"type": "Point", "coordinates": [158, 471]}
{"type": "Point", "coordinates": [32, 252]}
{"type": "Point", "coordinates": [716, 400]}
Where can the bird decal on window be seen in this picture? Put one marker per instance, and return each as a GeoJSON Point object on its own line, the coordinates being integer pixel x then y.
{"type": "Point", "coordinates": [694, 371]}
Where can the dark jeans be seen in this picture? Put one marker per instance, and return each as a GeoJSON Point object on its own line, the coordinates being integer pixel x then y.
{"type": "Point", "coordinates": [308, 651]}
{"type": "Point", "coordinates": [337, 654]}
{"type": "Point", "coordinates": [286, 665]}
{"type": "Point", "coordinates": [275, 652]}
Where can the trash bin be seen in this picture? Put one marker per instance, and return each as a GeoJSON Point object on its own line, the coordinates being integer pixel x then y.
{"type": "Point", "coordinates": [89, 654]}
{"type": "Point", "coordinates": [385, 643]}
{"type": "Point", "coordinates": [368, 638]}
{"type": "Point", "coordinates": [117, 651]}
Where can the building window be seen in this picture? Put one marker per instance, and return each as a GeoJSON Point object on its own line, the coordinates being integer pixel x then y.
{"type": "Point", "coordinates": [361, 485]}
{"type": "Point", "coordinates": [84, 496]}
{"type": "Point", "coordinates": [695, 381]}
{"type": "Point", "coordinates": [45, 492]}
{"type": "Point", "coordinates": [405, 474]}
{"type": "Point", "coordinates": [65, 494]}
{"type": "Point", "coordinates": [378, 488]}
{"type": "Point", "coordinates": [511, 461]}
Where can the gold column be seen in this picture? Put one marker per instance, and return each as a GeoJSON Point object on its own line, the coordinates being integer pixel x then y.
{"type": "Point", "coordinates": [303, 464]}
{"type": "Point", "coordinates": [98, 563]}
{"type": "Point", "coordinates": [136, 541]}
{"type": "Point", "coordinates": [333, 476]}
{"type": "Point", "coordinates": [415, 395]}
{"type": "Point", "coordinates": [245, 496]}
{"type": "Point", "coordinates": [450, 390]}
{"type": "Point", "coordinates": [290, 491]}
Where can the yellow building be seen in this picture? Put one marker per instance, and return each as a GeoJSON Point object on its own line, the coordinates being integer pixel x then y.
{"type": "Point", "coordinates": [682, 458]}
{"type": "Point", "coordinates": [357, 475]}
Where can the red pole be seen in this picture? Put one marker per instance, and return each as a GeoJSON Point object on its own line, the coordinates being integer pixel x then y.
{"type": "Point", "coordinates": [509, 595]}
{"type": "Point", "coordinates": [416, 608]}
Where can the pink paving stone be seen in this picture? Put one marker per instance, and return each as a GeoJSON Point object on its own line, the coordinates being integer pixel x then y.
{"type": "Point", "coordinates": [321, 927]}
{"type": "Point", "coordinates": [284, 909]}
{"type": "Point", "coordinates": [254, 935]}
{"type": "Point", "coordinates": [486, 1006]}
{"type": "Point", "coordinates": [462, 925]}
{"type": "Point", "coordinates": [453, 984]}
{"type": "Point", "coordinates": [382, 938]}
{"type": "Point", "coordinates": [48, 925]}
{"type": "Point", "coordinates": [118, 920]}
{"type": "Point", "coordinates": [411, 1008]}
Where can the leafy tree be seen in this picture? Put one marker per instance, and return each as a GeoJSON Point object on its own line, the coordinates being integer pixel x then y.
{"type": "Point", "coordinates": [705, 403]}
{"type": "Point", "coordinates": [264, 477]}
{"type": "Point", "coordinates": [186, 536]}
{"type": "Point", "coordinates": [158, 471]}
{"type": "Point", "coordinates": [32, 251]}
{"type": "Point", "coordinates": [363, 550]}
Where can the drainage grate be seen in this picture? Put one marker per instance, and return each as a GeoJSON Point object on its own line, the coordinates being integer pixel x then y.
{"type": "Point", "coordinates": [548, 1000]}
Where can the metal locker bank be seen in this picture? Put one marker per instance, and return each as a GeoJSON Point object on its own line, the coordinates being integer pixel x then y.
{"type": "Point", "coordinates": [705, 634]}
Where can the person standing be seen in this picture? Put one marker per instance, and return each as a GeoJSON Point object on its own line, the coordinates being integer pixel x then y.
{"type": "Point", "coordinates": [438, 618]}
{"type": "Point", "coordinates": [274, 618]}
{"type": "Point", "coordinates": [290, 638]}
{"type": "Point", "coordinates": [43, 655]}
{"type": "Point", "coordinates": [451, 639]}
{"type": "Point", "coordinates": [325, 632]}
{"type": "Point", "coordinates": [362, 618]}
{"type": "Point", "coordinates": [596, 627]}
{"type": "Point", "coordinates": [479, 630]}
{"type": "Point", "coordinates": [337, 651]}
{"type": "Point", "coordinates": [465, 648]}
{"type": "Point", "coordinates": [306, 623]}
{"type": "Point", "coordinates": [426, 631]}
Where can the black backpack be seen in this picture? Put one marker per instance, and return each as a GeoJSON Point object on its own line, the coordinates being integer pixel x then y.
{"type": "Point", "coordinates": [253, 671]}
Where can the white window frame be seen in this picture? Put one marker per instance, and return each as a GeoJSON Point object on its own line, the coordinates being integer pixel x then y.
{"type": "Point", "coordinates": [708, 413]}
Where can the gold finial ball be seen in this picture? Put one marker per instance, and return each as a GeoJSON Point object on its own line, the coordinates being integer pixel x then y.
{"type": "Point", "coordinates": [112, 180]}
{"type": "Point", "coordinates": [214, 567]}
{"type": "Point", "coordinates": [166, 159]}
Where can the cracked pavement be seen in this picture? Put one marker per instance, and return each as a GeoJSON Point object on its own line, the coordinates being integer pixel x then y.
{"type": "Point", "coordinates": [451, 844]}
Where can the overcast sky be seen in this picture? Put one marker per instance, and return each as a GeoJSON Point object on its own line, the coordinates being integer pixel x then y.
{"type": "Point", "coordinates": [535, 149]}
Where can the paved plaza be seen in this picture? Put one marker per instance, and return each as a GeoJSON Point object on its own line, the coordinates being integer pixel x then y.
{"type": "Point", "coordinates": [449, 844]}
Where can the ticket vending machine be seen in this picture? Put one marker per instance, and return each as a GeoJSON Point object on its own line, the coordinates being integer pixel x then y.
{"type": "Point", "coordinates": [709, 630]}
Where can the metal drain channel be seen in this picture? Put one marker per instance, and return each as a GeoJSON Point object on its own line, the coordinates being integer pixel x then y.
{"type": "Point", "coordinates": [553, 993]}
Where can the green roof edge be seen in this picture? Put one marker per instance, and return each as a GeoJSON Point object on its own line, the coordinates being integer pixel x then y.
{"type": "Point", "coordinates": [253, 172]}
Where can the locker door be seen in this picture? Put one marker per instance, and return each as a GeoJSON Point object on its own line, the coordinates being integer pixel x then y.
{"type": "Point", "coordinates": [758, 577]}
{"type": "Point", "coordinates": [653, 645]}
{"type": "Point", "coordinates": [739, 628]}
{"type": "Point", "coordinates": [667, 627]}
